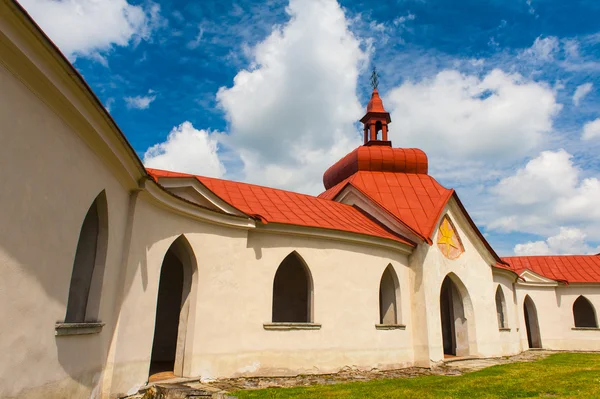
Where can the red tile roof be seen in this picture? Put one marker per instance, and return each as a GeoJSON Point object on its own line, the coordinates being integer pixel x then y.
{"type": "Point", "coordinates": [417, 200]}
{"type": "Point", "coordinates": [280, 206]}
{"type": "Point", "coordinates": [567, 268]}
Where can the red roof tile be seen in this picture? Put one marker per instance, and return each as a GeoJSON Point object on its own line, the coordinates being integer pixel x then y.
{"type": "Point", "coordinates": [568, 268]}
{"type": "Point", "coordinates": [280, 206]}
{"type": "Point", "coordinates": [415, 199]}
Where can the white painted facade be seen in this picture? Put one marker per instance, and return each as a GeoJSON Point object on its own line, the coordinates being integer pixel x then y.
{"type": "Point", "coordinates": [60, 150]}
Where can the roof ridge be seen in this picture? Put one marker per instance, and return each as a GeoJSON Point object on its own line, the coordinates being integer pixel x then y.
{"type": "Point", "coordinates": [239, 182]}
{"type": "Point", "coordinates": [548, 256]}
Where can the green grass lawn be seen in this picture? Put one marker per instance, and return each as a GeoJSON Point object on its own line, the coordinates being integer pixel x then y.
{"type": "Point", "coordinates": [563, 375]}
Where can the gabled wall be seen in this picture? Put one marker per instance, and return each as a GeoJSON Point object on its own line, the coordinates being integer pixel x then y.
{"type": "Point", "coordinates": [473, 270]}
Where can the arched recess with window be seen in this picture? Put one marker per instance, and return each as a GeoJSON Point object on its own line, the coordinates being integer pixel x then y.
{"type": "Point", "coordinates": [293, 291]}
{"type": "Point", "coordinates": [389, 298]}
{"type": "Point", "coordinates": [501, 308]}
{"type": "Point", "coordinates": [175, 309]}
{"type": "Point", "coordinates": [584, 313]}
{"type": "Point", "coordinates": [83, 304]}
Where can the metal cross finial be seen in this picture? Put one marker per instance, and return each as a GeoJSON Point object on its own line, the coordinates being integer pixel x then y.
{"type": "Point", "coordinates": [374, 79]}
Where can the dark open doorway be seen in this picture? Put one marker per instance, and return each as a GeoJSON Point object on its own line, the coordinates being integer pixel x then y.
{"type": "Point", "coordinates": [447, 318]}
{"type": "Point", "coordinates": [172, 310]}
{"type": "Point", "coordinates": [455, 328]}
{"type": "Point", "coordinates": [531, 323]}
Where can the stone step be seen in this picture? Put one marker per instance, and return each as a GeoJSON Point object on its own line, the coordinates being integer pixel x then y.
{"type": "Point", "coordinates": [178, 391]}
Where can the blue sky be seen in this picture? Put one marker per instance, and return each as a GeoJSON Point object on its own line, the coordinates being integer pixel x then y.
{"type": "Point", "coordinates": [502, 95]}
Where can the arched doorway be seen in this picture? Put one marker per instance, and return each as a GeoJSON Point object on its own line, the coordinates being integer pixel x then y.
{"type": "Point", "coordinates": [173, 310]}
{"type": "Point", "coordinates": [455, 311]}
{"type": "Point", "coordinates": [531, 323]}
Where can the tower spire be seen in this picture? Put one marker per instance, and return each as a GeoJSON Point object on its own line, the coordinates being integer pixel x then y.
{"type": "Point", "coordinates": [377, 118]}
{"type": "Point", "coordinates": [374, 79]}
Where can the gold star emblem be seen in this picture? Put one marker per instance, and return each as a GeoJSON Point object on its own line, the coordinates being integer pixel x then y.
{"type": "Point", "coordinates": [447, 241]}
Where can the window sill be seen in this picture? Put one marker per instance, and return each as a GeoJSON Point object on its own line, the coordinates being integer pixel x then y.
{"type": "Point", "coordinates": [78, 328]}
{"type": "Point", "coordinates": [291, 326]}
{"type": "Point", "coordinates": [390, 326]}
{"type": "Point", "coordinates": [586, 328]}
{"type": "Point", "coordinates": [504, 329]}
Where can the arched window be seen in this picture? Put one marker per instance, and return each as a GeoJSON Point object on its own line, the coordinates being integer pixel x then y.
{"type": "Point", "coordinates": [292, 291]}
{"type": "Point", "coordinates": [378, 127]}
{"type": "Point", "coordinates": [501, 308]}
{"type": "Point", "coordinates": [88, 267]}
{"type": "Point", "coordinates": [584, 313]}
{"type": "Point", "coordinates": [389, 292]}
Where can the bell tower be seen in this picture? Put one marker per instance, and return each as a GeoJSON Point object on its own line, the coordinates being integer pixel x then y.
{"type": "Point", "coordinates": [377, 119]}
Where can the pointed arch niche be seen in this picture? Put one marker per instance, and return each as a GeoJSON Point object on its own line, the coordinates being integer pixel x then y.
{"type": "Point", "coordinates": [85, 289]}
{"type": "Point", "coordinates": [292, 306]}
{"type": "Point", "coordinates": [173, 328]}
{"type": "Point", "coordinates": [584, 313]}
{"type": "Point", "coordinates": [389, 301]}
{"type": "Point", "coordinates": [501, 309]}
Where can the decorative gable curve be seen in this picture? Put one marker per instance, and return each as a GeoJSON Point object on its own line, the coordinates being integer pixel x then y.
{"type": "Point", "coordinates": [448, 240]}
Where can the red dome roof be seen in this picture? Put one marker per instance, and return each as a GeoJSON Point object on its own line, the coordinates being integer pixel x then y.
{"type": "Point", "coordinates": [376, 159]}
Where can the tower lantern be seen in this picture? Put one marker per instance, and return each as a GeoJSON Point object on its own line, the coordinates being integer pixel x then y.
{"type": "Point", "coordinates": [376, 119]}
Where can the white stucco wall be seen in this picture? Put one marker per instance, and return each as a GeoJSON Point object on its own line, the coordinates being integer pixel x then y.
{"type": "Point", "coordinates": [554, 306]}
{"type": "Point", "coordinates": [50, 178]}
{"type": "Point", "coordinates": [234, 298]}
{"type": "Point", "coordinates": [574, 339]}
{"type": "Point", "coordinates": [508, 340]}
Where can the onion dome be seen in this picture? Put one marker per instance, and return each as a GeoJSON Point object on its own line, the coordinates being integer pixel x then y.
{"type": "Point", "coordinates": [376, 158]}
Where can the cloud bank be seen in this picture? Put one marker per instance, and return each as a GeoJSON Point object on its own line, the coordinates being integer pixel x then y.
{"type": "Point", "coordinates": [90, 28]}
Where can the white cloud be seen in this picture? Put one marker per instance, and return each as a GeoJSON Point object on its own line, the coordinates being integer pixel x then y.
{"type": "Point", "coordinates": [292, 114]}
{"type": "Point", "coordinates": [401, 20]}
{"type": "Point", "coordinates": [530, 7]}
{"type": "Point", "coordinates": [581, 91]}
{"type": "Point", "coordinates": [109, 103]}
{"type": "Point", "coordinates": [532, 248]}
{"type": "Point", "coordinates": [193, 44]}
{"type": "Point", "coordinates": [457, 117]}
{"type": "Point", "coordinates": [549, 191]}
{"type": "Point", "coordinates": [141, 102]}
{"type": "Point", "coordinates": [591, 130]}
{"type": "Point", "coordinates": [187, 150]}
{"type": "Point", "coordinates": [543, 49]}
{"type": "Point", "coordinates": [90, 28]}
{"type": "Point", "coordinates": [568, 241]}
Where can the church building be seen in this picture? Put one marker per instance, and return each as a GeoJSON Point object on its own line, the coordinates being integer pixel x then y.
{"type": "Point", "coordinates": [112, 273]}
